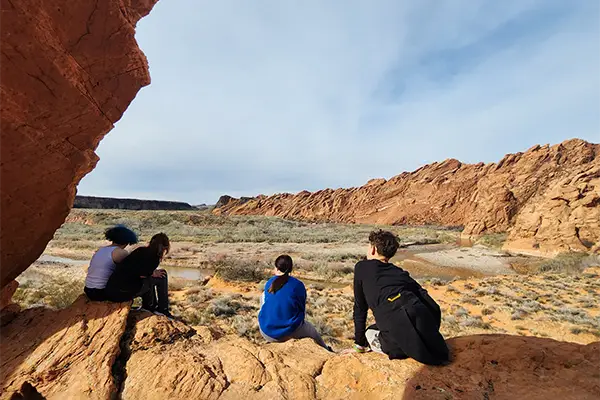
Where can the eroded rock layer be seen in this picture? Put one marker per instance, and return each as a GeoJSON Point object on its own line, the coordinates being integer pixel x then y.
{"type": "Point", "coordinates": [548, 198]}
{"type": "Point", "coordinates": [98, 351]}
{"type": "Point", "coordinates": [65, 354]}
{"type": "Point", "coordinates": [69, 69]}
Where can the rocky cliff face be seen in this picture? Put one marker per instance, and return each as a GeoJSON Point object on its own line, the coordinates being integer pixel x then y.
{"type": "Point", "coordinates": [102, 351]}
{"type": "Point", "coordinates": [69, 69]}
{"type": "Point", "coordinates": [548, 198]}
{"type": "Point", "coordinates": [128, 204]}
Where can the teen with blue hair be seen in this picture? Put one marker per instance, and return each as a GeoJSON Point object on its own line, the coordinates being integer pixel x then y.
{"type": "Point", "coordinates": [105, 260]}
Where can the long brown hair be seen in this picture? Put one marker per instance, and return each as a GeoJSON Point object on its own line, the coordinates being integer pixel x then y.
{"type": "Point", "coordinates": [284, 264]}
{"type": "Point", "coordinates": [159, 244]}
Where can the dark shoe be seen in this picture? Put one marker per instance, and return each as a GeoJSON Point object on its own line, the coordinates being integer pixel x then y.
{"type": "Point", "coordinates": [164, 314]}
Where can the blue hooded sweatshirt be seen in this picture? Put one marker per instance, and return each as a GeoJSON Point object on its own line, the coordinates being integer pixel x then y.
{"type": "Point", "coordinates": [282, 312]}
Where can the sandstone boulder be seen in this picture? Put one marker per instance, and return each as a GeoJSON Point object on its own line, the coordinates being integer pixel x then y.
{"type": "Point", "coordinates": [69, 69]}
{"type": "Point", "coordinates": [102, 351]}
{"type": "Point", "coordinates": [6, 293]}
{"type": "Point", "coordinates": [63, 354]}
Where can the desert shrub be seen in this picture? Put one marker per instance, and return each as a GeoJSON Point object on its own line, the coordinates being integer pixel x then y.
{"type": "Point", "coordinates": [450, 320]}
{"type": "Point", "coordinates": [488, 310]}
{"type": "Point", "coordinates": [345, 257]}
{"type": "Point", "coordinates": [56, 293]}
{"type": "Point", "coordinates": [223, 306]}
{"type": "Point", "coordinates": [197, 296]}
{"type": "Point", "coordinates": [531, 306]}
{"type": "Point", "coordinates": [436, 282]}
{"type": "Point", "coordinates": [193, 316]}
{"type": "Point", "coordinates": [566, 263]}
{"type": "Point", "coordinates": [240, 270]}
{"type": "Point", "coordinates": [321, 326]}
{"type": "Point", "coordinates": [587, 302]}
{"type": "Point", "coordinates": [470, 300]}
{"type": "Point", "coordinates": [330, 271]}
{"type": "Point", "coordinates": [518, 314]}
{"type": "Point", "coordinates": [316, 286]}
{"type": "Point", "coordinates": [491, 290]}
{"type": "Point", "coordinates": [246, 326]}
{"type": "Point", "coordinates": [461, 312]}
{"type": "Point", "coordinates": [230, 305]}
{"type": "Point", "coordinates": [474, 322]}
{"type": "Point", "coordinates": [495, 240]}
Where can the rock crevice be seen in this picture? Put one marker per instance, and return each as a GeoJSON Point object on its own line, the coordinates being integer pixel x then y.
{"type": "Point", "coordinates": [75, 354]}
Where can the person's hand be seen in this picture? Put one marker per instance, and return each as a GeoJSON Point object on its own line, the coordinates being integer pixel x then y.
{"type": "Point", "coordinates": [159, 273]}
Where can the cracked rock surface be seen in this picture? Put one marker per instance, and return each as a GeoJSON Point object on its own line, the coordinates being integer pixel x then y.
{"type": "Point", "coordinates": [105, 351]}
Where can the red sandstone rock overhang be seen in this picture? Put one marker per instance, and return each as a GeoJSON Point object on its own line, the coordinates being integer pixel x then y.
{"type": "Point", "coordinates": [69, 69]}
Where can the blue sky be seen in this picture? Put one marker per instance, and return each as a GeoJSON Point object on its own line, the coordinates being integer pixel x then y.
{"type": "Point", "coordinates": [261, 97]}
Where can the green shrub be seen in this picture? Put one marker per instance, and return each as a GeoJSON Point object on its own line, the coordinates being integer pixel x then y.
{"type": "Point", "coordinates": [494, 240]}
{"type": "Point", "coordinates": [565, 263]}
{"type": "Point", "coordinates": [240, 270]}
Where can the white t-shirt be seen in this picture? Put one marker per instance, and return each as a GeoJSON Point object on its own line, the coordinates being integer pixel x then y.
{"type": "Point", "coordinates": [101, 268]}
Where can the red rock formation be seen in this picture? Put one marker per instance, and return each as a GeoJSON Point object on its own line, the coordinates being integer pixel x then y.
{"type": "Point", "coordinates": [547, 195]}
{"type": "Point", "coordinates": [69, 69]}
{"type": "Point", "coordinates": [66, 354]}
{"type": "Point", "coordinates": [7, 292]}
{"type": "Point", "coordinates": [74, 353]}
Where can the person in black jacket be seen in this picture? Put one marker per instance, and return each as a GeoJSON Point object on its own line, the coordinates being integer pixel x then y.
{"type": "Point", "coordinates": [137, 276]}
{"type": "Point", "coordinates": [407, 319]}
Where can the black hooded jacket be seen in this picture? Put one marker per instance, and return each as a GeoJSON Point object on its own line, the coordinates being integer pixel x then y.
{"type": "Point", "coordinates": [406, 316]}
{"type": "Point", "coordinates": [127, 279]}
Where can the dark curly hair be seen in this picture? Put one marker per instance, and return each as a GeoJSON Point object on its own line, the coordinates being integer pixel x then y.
{"type": "Point", "coordinates": [120, 234]}
{"type": "Point", "coordinates": [385, 242]}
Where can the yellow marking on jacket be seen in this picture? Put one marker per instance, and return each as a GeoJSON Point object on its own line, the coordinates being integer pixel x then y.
{"type": "Point", "coordinates": [396, 297]}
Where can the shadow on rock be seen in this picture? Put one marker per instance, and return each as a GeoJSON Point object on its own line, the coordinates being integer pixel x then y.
{"type": "Point", "coordinates": [511, 367]}
{"type": "Point", "coordinates": [64, 353]}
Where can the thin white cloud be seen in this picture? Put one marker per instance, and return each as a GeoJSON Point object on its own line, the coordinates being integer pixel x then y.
{"type": "Point", "coordinates": [263, 97]}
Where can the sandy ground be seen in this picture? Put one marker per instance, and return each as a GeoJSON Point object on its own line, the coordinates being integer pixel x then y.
{"type": "Point", "coordinates": [422, 261]}
{"type": "Point", "coordinates": [478, 258]}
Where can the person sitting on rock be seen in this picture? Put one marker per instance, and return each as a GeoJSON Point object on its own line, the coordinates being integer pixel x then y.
{"type": "Point", "coordinates": [105, 260]}
{"type": "Point", "coordinates": [137, 276]}
{"type": "Point", "coordinates": [407, 319]}
{"type": "Point", "coordinates": [283, 305]}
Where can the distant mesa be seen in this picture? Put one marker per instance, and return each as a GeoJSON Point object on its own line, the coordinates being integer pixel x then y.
{"type": "Point", "coordinates": [129, 204]}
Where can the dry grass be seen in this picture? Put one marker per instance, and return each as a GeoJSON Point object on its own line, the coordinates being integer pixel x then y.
{"type": "Point", "coordinates": [55, 293]}
{"type": "Point", "coordinates": [555, 298]}
{"type": "Point", "coordinates": [204, 227]}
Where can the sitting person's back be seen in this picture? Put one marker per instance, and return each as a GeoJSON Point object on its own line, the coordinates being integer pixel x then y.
{"type": "Point", "coordinates": [138, 276]}
{"type": "Point", "coordinates": [129, 275]}
{"type": "Point", "coordinates": [105, 260]}
{"type": "Point", "coordinates": [282, 313]}
{"type": "Point", "coordinates": [407, 318]}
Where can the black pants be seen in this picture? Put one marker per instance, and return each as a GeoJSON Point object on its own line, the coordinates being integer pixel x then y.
{"type": "Point", "coordinates": [155, 294]}
{"type": "Point", "coordinates": [95, 294]}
